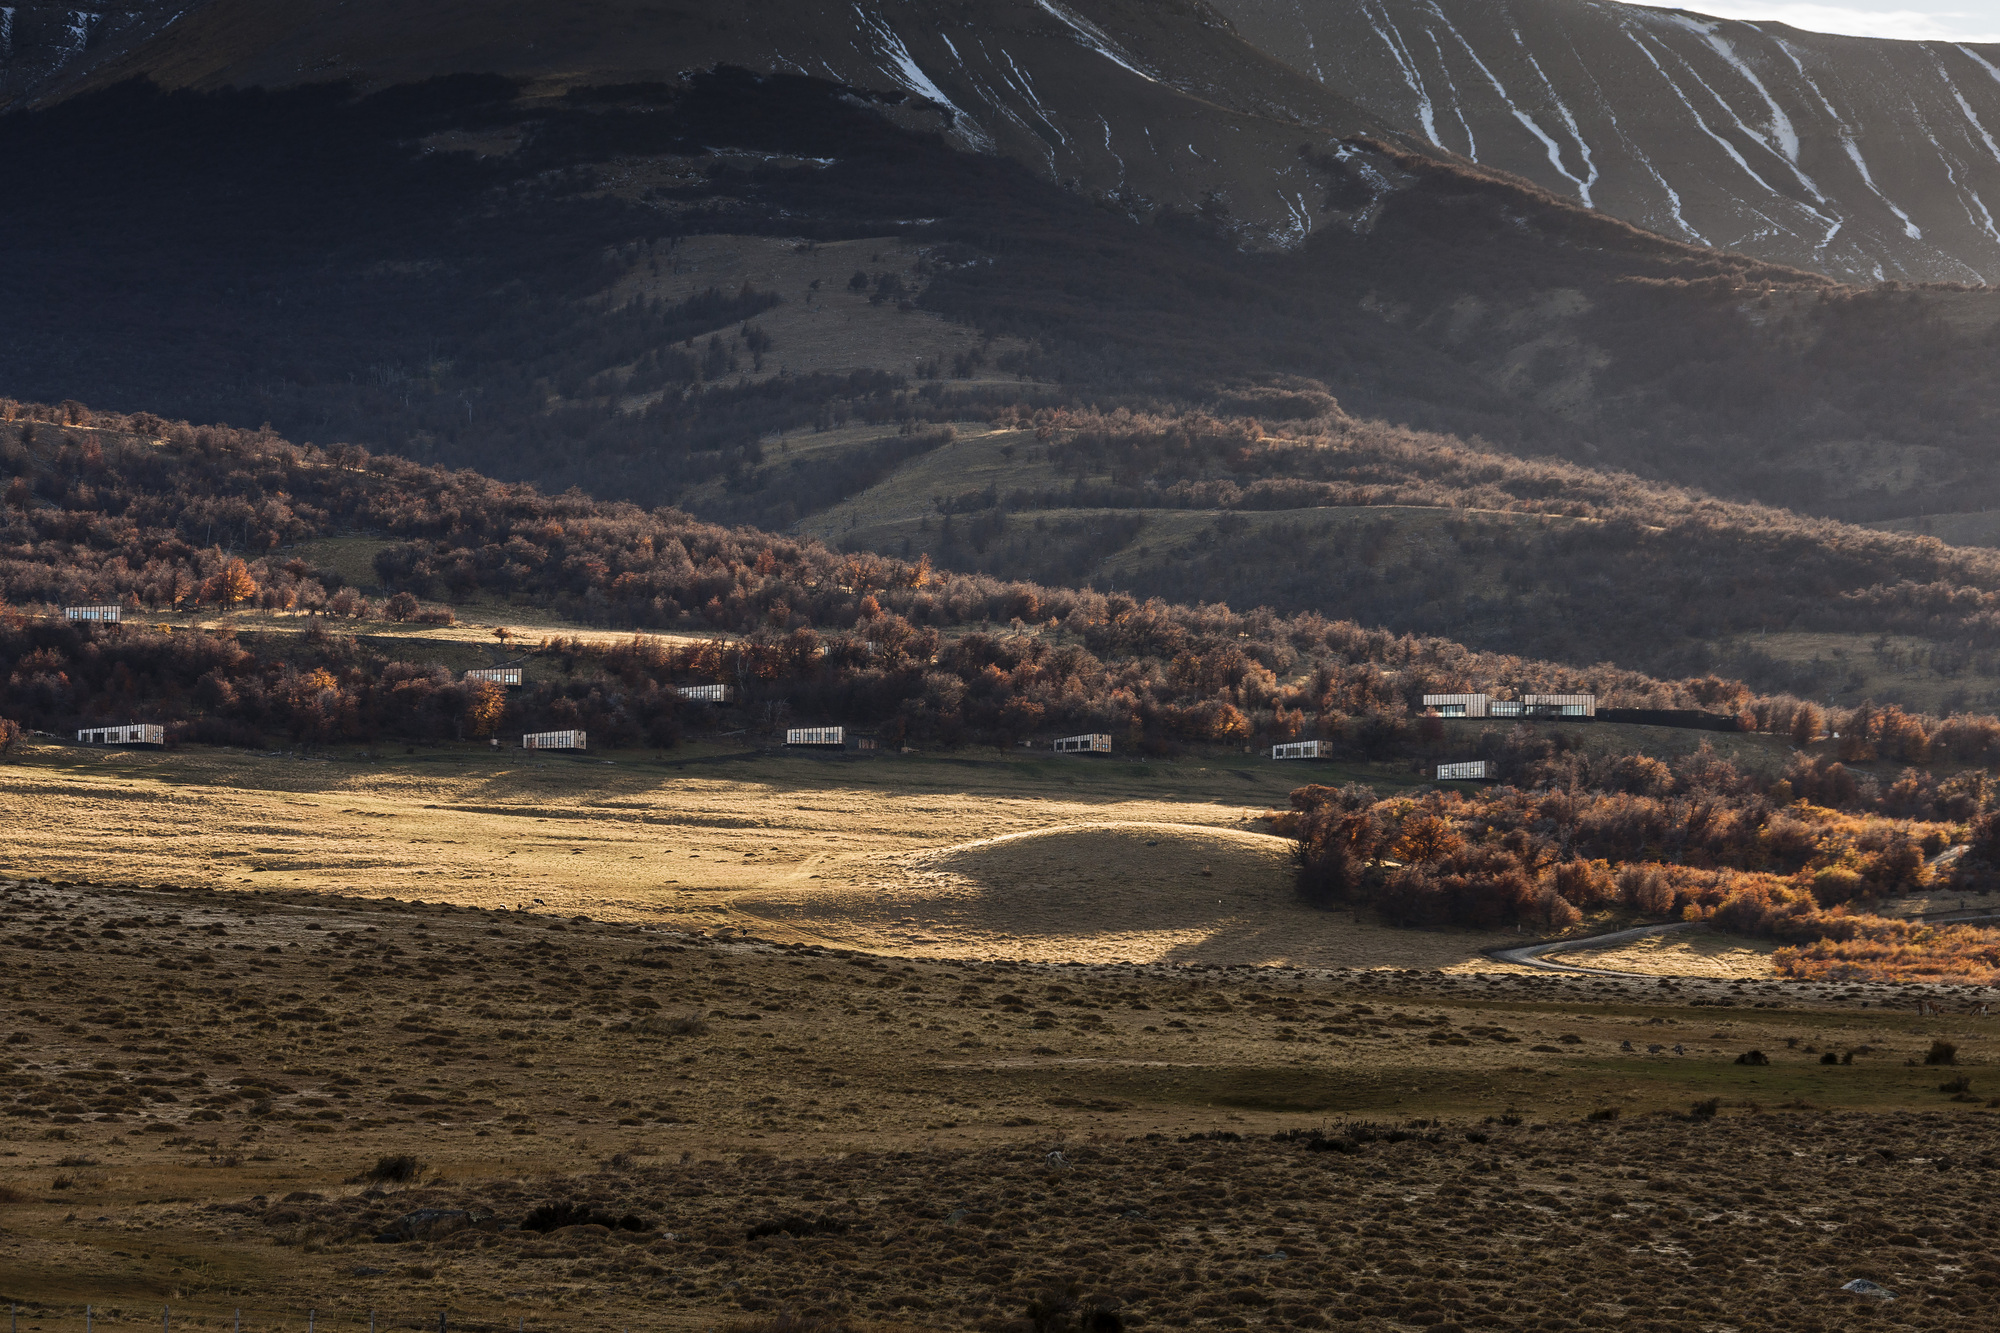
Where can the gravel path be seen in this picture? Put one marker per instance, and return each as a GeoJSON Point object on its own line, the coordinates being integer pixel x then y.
{"type": "Point", "coordinates": [1537, 955]}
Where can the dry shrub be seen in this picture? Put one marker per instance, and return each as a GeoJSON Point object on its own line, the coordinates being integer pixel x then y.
{"type": "Point", "coordinates": [555, 1216]}
{"type": "Point", "coordinates": [1942, 1052]}
{"type": "Point", "coordinates": [400, 1169]}
{"type": "Point", "coordinates": [1885, 950]}
{"type": "Point", "coordinates": [1646, 888]}
{"type": "Point", "coordinates": [1585, 883]}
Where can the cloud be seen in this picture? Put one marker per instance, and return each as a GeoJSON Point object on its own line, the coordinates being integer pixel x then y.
{"type": "Point", "coordinates": [1910, 25]}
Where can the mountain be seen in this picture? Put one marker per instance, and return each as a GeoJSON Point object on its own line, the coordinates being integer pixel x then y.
{"type": "Point", "coordinates": [1153, 107]}
{"type": "Point", "coordinates": [46, 48]}
{"type": "Point", "coordinates": [523, 283]}
{"type": "Point", "coordinates": [577, 273]}
{"type": "Point", "coordinates": [1860, 158]}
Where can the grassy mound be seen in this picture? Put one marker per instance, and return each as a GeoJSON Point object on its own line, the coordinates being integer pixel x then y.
{"type": "Point", "coordinates": [1108, 892]}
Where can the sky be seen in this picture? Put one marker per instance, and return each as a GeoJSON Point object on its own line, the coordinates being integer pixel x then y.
{"type": "Point", "coordinates": [1964, 21]}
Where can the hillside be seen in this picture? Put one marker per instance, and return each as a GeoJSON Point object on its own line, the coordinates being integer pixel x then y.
{"type": "Point", "coordinates": [510, 294]}
{"type": "Point", "coordinates": [173, 520]}
{"type": "Point", "coordinates": [1860, 158]}
{"type": "Point", "coordinates": [177, 522]}
{"type": "Point", "coordinates": [1411, 531]}
{"type": "Point", "coordinates": [1151, 108]}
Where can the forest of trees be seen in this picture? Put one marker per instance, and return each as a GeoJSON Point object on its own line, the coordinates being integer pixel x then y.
{"type": "Point", "coordinates": [1803, 858]}
{"type": "Point", "coordinates": [164, 516]}
{"type": "Point", "coordinates": [1533, 556]}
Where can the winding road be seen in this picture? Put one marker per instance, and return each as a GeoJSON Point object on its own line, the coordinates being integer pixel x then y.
{"type": "Point", "coordinates": [1537, 955]}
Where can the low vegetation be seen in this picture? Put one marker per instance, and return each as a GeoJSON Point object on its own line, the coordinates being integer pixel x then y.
{"type": "Point", "coordinates": [1698, 840]}
{"type": "Point", "coordinates": [885, 1144]}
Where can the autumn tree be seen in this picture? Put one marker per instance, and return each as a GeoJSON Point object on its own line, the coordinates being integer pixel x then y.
{"type": "Point", "coordinates": [484, 709]}
{"type": "Point", "coordinates": [234, 585]}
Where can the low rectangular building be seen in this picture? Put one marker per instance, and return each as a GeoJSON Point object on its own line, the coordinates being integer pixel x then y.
{"type": "Point", "coordinates": [554, 740]}
{"type": "Point", "coordinates": [1560, 705]}
{"type": "Point", "coordinates": [703, 694]}
{"type": "Point", "coordinates": [829, 736]}
{"type": "Point", "coordinates": [136, 733]}
{"type": "Point", "coordinates": [112, 613]}
{"type": "Point", "coordinates": [1468, 770]}
{"type": "Point", "coordinates": [1297, 750]}
{"type": "Point", "coordinates": [1456, 705]}
{"type": "Point", "coordinates": [1095, 743]}
{"type": "Point", "coordinates": [508, 676]}
{"type": "Point", "coordinates": [1505, 708]}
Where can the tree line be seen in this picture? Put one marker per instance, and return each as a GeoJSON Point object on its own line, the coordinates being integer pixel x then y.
{"type": "Point", "coordinates": [163, 515]}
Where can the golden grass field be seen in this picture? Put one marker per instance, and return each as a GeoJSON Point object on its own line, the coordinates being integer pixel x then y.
{"type": "Point", "coordinates": [1700, 953]}
{"type": "Point", "coordinates": [1076, 859]}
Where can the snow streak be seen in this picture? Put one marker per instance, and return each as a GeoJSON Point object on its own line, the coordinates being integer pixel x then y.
{"type": "Point", "coordinates": [1699, 120]}
{"type": "Point", "coordinates": [1846, 135]}
{"type": "Point", "coordinates": [1528, 122]}
{"type": "Point", "coordinates": [1457, 102]}
{"type": "Point", "coordinates": [1589, 166]}
{"type": "Point", "coordinates": [1407, 64]}
{"type": "Point", "coordinates": [911, 75]}
{"type": "Point", "coordinates": [1781, 124]}
{"type": "Point", "coordinates": [1093, 37]}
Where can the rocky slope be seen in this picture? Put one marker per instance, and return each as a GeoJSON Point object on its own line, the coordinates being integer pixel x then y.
{"type": "Point", "coordinates": [44, 48]}
{"type": "Point", "coordinates": [1148, 108]}
{"type": "Point", "coordinates": [1860, 158]}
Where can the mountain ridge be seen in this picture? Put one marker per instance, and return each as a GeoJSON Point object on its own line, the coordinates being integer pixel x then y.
{"type": "Point", "coordinates": [1862, 158]}
{"type": "Point", "coordinates": [1858, 158]}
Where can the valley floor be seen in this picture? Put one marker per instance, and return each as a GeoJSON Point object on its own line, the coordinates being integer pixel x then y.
{"type": "Point", "coordinates": [952, 856]}
{"type": "Point", "coordinates": [199, 1086]}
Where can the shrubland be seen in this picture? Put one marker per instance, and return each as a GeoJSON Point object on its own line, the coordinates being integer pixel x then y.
{"type": "Point", "coordinates": [165, 517]}
{"type": "Point", "coordinates": [1699, 840]}
{"type": "Point", "coordinates": [1308, 507]}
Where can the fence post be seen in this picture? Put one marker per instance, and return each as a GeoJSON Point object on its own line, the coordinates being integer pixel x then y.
{"type": "Point", "coordinates": [239, 1319]}
{"type": "Point", "coordinates": [86, 1319]}
{"type": "Point", "coordinates": [166, 1319]}
{"type": "Point", "coordinates": [310, 1316]}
